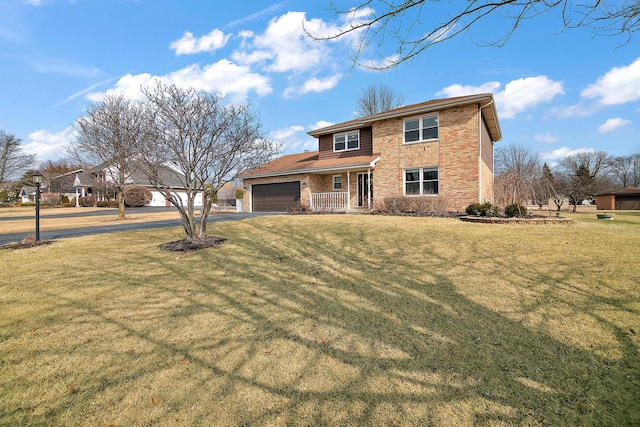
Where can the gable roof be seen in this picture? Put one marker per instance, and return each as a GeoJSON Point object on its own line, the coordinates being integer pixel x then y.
{"type": "Point", "coordinates": [26, 190]}
{"type": "Point", "coordinates": [484, 100]}
{"type": "Point", "coordinates": [308, 163]}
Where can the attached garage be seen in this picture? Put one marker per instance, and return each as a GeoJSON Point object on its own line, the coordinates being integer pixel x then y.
{"type": "Point", "coordinates": [277, 197]}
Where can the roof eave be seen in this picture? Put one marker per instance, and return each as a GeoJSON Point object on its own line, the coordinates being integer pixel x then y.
{"type": "Point", "coordinates": [419, 109]}
{"type": "Point", "coordinates": [314, 170]}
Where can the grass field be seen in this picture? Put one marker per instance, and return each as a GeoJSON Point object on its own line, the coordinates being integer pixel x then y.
{"type": "Point", "coordinates": [327, 320]}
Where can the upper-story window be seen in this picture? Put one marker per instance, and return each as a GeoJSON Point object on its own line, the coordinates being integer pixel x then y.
{"type": "Point", "coordinates": [346, 141]}
{"type": "Point", "coordinates": [421, 129]}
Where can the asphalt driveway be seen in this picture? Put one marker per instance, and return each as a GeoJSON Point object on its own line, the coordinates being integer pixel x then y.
{"type": "Point", "coordinates": [124, 226]}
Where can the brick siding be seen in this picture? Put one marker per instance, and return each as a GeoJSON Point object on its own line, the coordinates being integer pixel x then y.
{"type": "Point", "coordinates": [456, 154]}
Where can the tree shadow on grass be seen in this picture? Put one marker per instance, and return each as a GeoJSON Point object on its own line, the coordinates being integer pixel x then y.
{"type": "Point", "coordinates": [301, 331]}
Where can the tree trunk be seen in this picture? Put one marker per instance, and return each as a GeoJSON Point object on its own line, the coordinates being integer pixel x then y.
{"type": "Point", "coordinates": [120, 199]}
{"type": "Point", "coordinates": [207, 200]}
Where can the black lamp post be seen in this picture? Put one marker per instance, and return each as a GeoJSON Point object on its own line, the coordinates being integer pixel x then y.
{"type": "Point", "coordinates": [37, 178]}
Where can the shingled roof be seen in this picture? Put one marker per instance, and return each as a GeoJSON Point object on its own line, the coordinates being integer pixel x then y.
{"type": "Point", "coordinates": [623, 191]}
{"type": "Point", "coordinates": [484, 100]}
{"type": "Point", "coordinates": [309, 162]}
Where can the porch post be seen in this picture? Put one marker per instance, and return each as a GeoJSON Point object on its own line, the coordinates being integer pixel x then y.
{"type": "Point", "coordinates": [348, 190]}
{"type": "Point", "coordinates": [369, 188]}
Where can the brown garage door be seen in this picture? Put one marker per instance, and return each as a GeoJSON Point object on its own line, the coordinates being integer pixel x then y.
{"type": "Point", "coordinates": [627, 202]}
{"type": "Point", "coordinates": [278, 197]}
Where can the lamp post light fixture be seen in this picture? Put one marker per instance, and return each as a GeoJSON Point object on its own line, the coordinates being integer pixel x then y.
{"type": "Point", "coordinates": [37, 178]}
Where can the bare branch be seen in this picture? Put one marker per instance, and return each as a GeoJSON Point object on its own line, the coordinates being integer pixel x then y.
{"type": "Point", "coordinates": [13, 161]}
{"type": "Point", "coordinates": [203, 144]}
{"type": "Point", "coordinates": [411, 26]}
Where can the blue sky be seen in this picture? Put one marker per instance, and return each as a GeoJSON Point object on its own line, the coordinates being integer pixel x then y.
{"type": "Point", "coordinates": [557, 92]}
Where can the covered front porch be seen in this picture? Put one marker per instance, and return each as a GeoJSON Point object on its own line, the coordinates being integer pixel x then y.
{"type": "Point", "coordinates": [341, 190]}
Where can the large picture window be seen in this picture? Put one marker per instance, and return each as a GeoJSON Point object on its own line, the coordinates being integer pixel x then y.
{"type": "Point", "coordinates": [346, 141]}
{"type": "Point", "coordinates": [421, 129]}
{"type": "Point", "coordinates": [421, 182]}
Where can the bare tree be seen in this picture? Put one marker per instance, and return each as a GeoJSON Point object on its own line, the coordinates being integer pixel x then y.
{"type": "Point", "coordinates": [201, 143]}
{"type": "Point", "coordinates": [411, 27]}
{"type": "Point", "coordinates": [585, 175]}
{"type": "Point", "coordinates": [517, 168]}
{"type": "Point", "coordinates": [111, 133]}
{"type": "Point", "coordinates": [625, 170]}
{"type": "Point", "coordinates": [13, 161]}
{"type": "Point", "coordinates": [58, 175]}
{"type": "Point", "coordinates": [376, 99]}
{"type": "Point", "coordinates": [554, 186]}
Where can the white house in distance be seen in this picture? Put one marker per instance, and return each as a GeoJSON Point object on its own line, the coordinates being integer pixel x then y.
{"type": "Point", "coordinates": [97, 182]}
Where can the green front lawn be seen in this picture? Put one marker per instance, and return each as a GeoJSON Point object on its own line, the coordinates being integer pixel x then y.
{"type": "Point", "coordinates": [327, 320]}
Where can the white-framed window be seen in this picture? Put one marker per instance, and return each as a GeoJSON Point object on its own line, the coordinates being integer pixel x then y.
{"type": "Point", "coordinates": [337, 182]}
{"type": "Point", "coordinates": [421, 181]}
{"type": "Point", "coordinates": [346, 141]}
{"type": "Point", "coordinates": [419, 129]}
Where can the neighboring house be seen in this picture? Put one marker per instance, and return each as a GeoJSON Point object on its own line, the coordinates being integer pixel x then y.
{"type": "Point", "coordinates": [98, 182]}
{"type": "Point", "coordinates": [622, 199]}
{"type": "Point", "coordinates": [64, 184]}
{"type": "Point", "coordinates": [27, 194]}
{"type": "Point", "coordinates": [441, 148]}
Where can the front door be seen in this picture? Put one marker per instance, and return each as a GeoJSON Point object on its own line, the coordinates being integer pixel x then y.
{"type": "Point", "coordinates": [365, 189]}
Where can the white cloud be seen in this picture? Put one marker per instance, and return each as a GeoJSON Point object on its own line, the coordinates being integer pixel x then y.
{"type": "Point", "coordinates": [461, 90]}
{"type": "Point", "coordinates": [518, 95]}
{"type": "Point", "coordinates": [523, 94]}
{"type": "Point", "coordinates": [284, 46]}
{"type": "Point", "coordinates": [314, 85]}
{"type": "Point", "coordinates": [617, 86]}
{"type": "Point", "coordinates": [547, 137]}
{"type": "Point", "coordinates": [612, 125]}
{"type": "Point", "coordinates": [34, 2]}
{"type": "Point", "coordinates": [222, 76]}
{"type": "Point", "coordinates": [320, 124]}
{"type": "Point", "coordinates": [579, 110]}
{"type": "Point", "coordinates": [48, 145]}
{"type": "Point", "coordinates": [211, 42]}
{"type": "Point", "coordinates": [563, 152]}
{"type": "Point", "coordinates": [294, 139]}
{"type": "Point", "coordinates": [282, 134]}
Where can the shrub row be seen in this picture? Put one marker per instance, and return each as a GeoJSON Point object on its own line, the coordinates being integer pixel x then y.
{"type": "Point", "coordinates": [419, 206]}
{"type": "Point", "coordinates": [107, 204]}
{"type": "Point", "coordinates": [482, 209]}
{"type": "Point", "coordinates": [490, 210]}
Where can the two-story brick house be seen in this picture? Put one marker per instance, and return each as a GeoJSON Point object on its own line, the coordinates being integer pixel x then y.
{"type": "Point", "coordinates": [441, 148]}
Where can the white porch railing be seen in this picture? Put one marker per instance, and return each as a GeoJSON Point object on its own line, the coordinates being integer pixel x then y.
{"type": "Point", "coordinates": [333, 200]}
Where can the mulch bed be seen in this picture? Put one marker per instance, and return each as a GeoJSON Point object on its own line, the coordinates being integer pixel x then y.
{"type": "Point", "coordinates": [188, 245]}
{"type": "Point", "coordinates": [26, 245]}
{"type": "Point", "coordinates": [536, 219]}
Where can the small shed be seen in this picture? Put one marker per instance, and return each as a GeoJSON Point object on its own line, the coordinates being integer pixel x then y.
{"type": "Point", "coordinates": [622, 199]}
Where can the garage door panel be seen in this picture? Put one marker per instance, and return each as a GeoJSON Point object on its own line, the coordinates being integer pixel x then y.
{"type": "Point", "coordinates": [627, 203]}
{"type": "Point", "coordinates": [277, 197]}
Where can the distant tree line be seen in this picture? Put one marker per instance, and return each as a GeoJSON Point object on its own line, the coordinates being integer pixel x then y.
{"type": "Point", "coordinates": [522, 177]}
